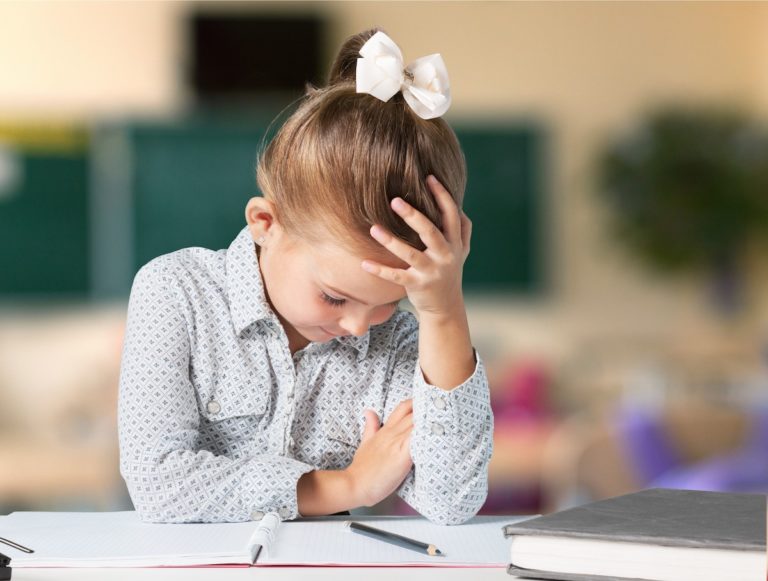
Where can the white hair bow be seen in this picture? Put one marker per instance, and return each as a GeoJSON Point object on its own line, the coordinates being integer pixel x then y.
{"type": "Point", "coordinates": [424, 82]}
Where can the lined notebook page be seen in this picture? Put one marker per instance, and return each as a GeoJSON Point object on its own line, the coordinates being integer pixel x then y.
{"type": "Point", "coordinates": [480, 542]}
{"type": "Point", "coordinates": [120, 539]}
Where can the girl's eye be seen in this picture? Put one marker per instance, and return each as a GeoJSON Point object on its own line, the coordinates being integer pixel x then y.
{"type": "Point", "coordinates": [333, 301]}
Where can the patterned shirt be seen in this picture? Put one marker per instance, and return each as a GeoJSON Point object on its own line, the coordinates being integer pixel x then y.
{"type": "Point", "coordinates": [218, 420]}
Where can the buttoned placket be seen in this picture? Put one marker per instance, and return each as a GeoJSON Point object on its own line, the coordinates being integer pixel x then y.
{"type": "Point", "coordinates": [290, 395]}
{"type": "Point", "coordinates": [287, 380]}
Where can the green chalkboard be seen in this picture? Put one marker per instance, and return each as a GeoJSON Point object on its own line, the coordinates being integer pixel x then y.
{"type": "Point", "coordinates": [44, 224]}
{"type": "Point", "coordinates": [504, 200]}
{"type": "Point", "coordinates": [190, 183]}
{"type": "Point", "coordinates": [82, 219]}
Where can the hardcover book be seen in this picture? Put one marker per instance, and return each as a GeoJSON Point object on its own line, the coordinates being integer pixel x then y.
{"type": "Point", "coordinates": [653, 535]}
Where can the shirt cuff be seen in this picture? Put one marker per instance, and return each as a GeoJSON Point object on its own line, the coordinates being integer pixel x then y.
{"type": "Point", "coordinates": [464, 409]}
{"type": "Point", "coordinates": [271, 487]}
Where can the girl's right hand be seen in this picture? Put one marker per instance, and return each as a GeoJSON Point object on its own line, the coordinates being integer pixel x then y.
{"type": "Point", "coordinates": [383, 459]}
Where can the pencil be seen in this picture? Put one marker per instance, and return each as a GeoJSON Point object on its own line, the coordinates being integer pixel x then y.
{"type": "Point", "coordinates": [394, 539]}
{"type": "Point", "coordinates": [15, 545]}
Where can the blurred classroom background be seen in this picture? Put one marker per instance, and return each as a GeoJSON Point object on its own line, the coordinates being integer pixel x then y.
{"type": "Point", "coordinates": [617, 287]}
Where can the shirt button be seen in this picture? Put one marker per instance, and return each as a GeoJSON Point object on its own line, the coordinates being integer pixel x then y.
{"type": "Point", "coordinates": [213, 407]}
{"type": "Point", "coordinates": [438, 429]}
{"type": "Point", "coordinates": [257, 515]}
{"type": "Point", "coordinates": [439, 402]}
{"type": "Point", "coordinates": [284, 512]}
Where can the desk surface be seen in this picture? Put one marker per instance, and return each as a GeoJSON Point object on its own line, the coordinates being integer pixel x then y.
{"type": "Point", "coordinates": [261, 573]}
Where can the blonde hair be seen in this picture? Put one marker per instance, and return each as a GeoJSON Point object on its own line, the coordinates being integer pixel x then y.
{"type": "Point", "coordinates": [340, 158]}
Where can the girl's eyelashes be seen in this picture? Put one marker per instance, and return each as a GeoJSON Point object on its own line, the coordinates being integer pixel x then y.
{"type": "Point", "coordinates": [333, 301]}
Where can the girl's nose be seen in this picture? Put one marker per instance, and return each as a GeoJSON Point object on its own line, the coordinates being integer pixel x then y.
{"type": "Point", "coordinates": [355, 324]}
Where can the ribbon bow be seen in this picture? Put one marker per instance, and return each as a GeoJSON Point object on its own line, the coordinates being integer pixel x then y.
{"type": "Point", "coordinates": [424, 82]}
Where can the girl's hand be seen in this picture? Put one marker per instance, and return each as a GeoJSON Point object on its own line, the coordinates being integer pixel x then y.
{"type": "Point", "coordinates": [433, 279]}
{"type": "Point", "coordinates": [383, 459]}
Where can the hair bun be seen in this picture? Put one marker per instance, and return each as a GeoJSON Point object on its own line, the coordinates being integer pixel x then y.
{"type": "Point", "coordinates": [345, 64]}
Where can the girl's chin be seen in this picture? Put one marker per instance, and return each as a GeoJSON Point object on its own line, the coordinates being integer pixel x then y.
{"type": "Point", "coordinates": [317, 334]}
{"type": "Point", "coordinates": [327, 334]}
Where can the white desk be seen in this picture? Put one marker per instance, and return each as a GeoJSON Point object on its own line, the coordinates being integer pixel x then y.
{"type": "Point", "coordinates": [264, 573]}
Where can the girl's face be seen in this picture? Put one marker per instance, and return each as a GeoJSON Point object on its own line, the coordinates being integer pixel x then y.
{"type": "Point", "coordinates": [320, 291]}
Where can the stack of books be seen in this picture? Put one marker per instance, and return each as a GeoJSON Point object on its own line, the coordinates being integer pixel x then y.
{"type": "Point", "coordinates": [652, 535]}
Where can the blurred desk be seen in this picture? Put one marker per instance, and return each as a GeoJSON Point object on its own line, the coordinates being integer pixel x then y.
{"type": "Point", "coordinates": [241, 573]}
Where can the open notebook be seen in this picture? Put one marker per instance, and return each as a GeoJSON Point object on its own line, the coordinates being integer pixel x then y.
{"type": "Point", "coordinates": [120, 539]}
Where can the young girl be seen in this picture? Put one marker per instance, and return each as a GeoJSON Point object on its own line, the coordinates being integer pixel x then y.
{"type": "Point", "coordinates": [256, 379]}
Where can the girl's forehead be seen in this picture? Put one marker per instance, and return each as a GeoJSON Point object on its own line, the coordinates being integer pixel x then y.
{"type": "Point", "coordinates": [339, 267]}
{"type": "Point", "coordinates": [331, 255]}
{"type": "Point", "coordinates": [341, 256]}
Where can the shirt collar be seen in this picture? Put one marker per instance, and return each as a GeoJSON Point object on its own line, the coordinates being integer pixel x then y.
{"type": "Point", "coordinates": [245, 289]}
{"type": "Point", "coordinates": [359, 343]}
{"type": "Point", "coordinates": [247, 299]}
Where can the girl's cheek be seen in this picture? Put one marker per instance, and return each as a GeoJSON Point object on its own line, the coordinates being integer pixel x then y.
{"type": "Point", "coordinates": [382, 315]}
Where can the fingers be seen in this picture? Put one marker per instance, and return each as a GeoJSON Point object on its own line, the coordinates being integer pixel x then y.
{"type": "Point", "coordinates": [456, 230]}
{"type": "Point", "coordinates": [466, 233]}
{"type": "Point", "coordinates": [404, 408]}
{"type": "Point", "coordinates": [400, 421]}
{"type": "Point", "coordinates": [372, 424]}
{"type": "Point", "coordinates": [402, 250]}
{"type": "Point", "coordinates": [405, 446]}
{"type": "Point", "coordinates": [430, 234]}
{"type": "Point", "coordinates": [404, 427]}
{"type": "Point", "coordinates": [394, 275]}
{"type": "Point", "coordinates": [451, 218]}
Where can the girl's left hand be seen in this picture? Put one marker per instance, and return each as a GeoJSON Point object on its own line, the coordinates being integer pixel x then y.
{"type": "Point", "coordinates": [433, 279]}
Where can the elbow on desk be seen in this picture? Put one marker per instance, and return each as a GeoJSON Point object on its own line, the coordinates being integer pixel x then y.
{"type": "Point", "coordinates": [457, 512]}
{"type": "Point", "coordinates": [156, 503]}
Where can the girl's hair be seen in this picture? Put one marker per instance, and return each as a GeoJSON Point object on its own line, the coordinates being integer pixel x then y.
{"type": "Point", "coordinates": [339, 159]}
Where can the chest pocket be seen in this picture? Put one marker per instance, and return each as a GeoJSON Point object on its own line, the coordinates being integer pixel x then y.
{"type": "Point", "coordinates": [236, 395]}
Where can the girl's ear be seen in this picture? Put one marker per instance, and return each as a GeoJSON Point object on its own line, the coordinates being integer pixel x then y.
{"type": "Point", "coordinates": [261, 218]}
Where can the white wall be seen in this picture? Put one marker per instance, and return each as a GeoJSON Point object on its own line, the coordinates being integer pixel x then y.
{"type": "Point", "coordinates": [88, 58]}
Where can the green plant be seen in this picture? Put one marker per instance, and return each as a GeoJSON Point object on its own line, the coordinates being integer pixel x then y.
{"type": "Point", "coordinates": [688, 189]}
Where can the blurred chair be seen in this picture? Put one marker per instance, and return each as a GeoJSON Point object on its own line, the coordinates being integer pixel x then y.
{"type": "Point", "coordinates": [740, 468]}
{"type": "Point", "coordinates": [692, 445]}
{"type": "Point", "coordinates": [524, 421]}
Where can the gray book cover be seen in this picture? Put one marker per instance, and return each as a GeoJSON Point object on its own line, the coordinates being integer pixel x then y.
{"type": "Point", "coordinates": [658, 516]}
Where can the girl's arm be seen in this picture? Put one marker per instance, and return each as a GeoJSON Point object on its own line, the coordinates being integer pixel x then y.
{"type": "Point", "coordinates": [433, 284]}
{"type": "Point", "coordinates": [446, 356]}
{"type": "Point", "coordinates": [380, 464]}
{"type": "Point", "coordinates": [452, 437]}
{"type": "Point", "coordinates": [445, 433]}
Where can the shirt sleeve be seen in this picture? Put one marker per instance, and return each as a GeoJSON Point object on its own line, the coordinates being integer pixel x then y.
{"type": "Point", "coordinates": [452, 438]}
{"type": "Point", "coordinates": [169, 478]}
